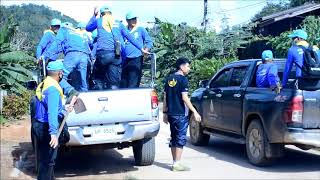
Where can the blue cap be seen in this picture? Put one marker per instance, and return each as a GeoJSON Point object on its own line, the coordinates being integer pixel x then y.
{"type": "Point", "coordinates": [299, 33]}
{"type": "Point", "coordinates": [55, 65]}
{"type": "Point", "coordinates": [81, 25]}
{"type": "Point", "coordinates": [55, 22]}
{"type": "Point", "coordinates": [105, 9]}
{"type": "Point", "coordinates": [267, 55]}
{"type": "Point", "coordinates": [131, 15]}
{"type": "Point", "coordinates": [67, 24]}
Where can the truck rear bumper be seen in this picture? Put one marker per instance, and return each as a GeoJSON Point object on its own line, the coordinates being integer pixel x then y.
{"type": "Point", "coordinates": [309, 137]}
{"type": "Point", "coordinates": [112, 133]}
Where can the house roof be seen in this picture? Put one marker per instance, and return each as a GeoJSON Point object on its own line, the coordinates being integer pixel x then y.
{"type": "Point", "coordinates": [293, 12]}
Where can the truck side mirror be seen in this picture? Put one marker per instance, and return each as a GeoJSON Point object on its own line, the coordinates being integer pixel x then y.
{"type": "Point", "coordinates": [203, 83]}
{"type": "Point", "coordinates": [31, 85]}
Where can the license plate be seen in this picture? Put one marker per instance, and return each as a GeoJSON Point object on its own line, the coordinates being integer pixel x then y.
{"type": "Point", "coordinates": [105, 131]}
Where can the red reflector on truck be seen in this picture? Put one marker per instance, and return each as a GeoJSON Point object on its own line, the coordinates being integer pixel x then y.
{"type": "Point", "coordinates": [295, 110]}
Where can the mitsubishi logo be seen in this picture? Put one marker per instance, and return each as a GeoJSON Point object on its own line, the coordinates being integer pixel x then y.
{"type": "Point", "coordinates": [104, 108]}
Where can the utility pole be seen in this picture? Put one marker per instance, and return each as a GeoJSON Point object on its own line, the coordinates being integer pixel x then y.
{"type": "Point", "coordinates": [205, 14]}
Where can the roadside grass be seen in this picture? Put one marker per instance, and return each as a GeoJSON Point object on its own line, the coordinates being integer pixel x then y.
{"type": "Point", "coordinates": [3, 120]}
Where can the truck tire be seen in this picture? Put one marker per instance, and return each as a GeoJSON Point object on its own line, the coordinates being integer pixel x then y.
{"type": "Point", "coordinates": [256, 144]}
{"type": "Point", "coordinates": [144, 151]}
{"type": "Point", "coordinates": [197, 137]}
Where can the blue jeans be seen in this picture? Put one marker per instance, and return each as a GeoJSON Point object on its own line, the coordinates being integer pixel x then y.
{"type": "Point", "coordinates": [77, 61]}
{"type": "Point", "coordinates": [178, 128]}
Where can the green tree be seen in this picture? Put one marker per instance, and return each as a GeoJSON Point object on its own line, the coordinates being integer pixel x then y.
{"type": "Point", "coordinates": [207, 51]}
{"type": "Point", "coordinates": [294, 3]}
{"type": "Point", "coordinates": [270, 8]}
{"type": "Point", "coordinates": [281, 43]}
{"type": "Point", "coordinates": [31, 20]}
{"type": "Point", "coordinates": [12, 73]}
{"type": "Point", "coordinates": [6, 33]}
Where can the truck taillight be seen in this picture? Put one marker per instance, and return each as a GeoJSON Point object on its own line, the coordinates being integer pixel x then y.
{"type": "Point", "coordinates": [295, 111]}
{"type": "Point", "coordinates": [154, 99]}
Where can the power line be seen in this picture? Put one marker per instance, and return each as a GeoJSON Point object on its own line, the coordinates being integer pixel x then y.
{"type": "Point", "coordinates": [223, 11]}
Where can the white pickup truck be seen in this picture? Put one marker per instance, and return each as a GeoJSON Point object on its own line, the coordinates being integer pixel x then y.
{"type": "Point", "coordinates": [118, 119]}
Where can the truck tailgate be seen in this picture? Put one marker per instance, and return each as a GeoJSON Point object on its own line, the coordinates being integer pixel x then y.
{"type": "Point", "coordinates": [311, 112]}
{"type": "Point", "coordinates": [113, 106]}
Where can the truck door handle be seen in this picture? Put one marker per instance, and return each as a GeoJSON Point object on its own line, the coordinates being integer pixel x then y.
{"type": "Point", "coordinates": [218, 95]}
{"type": "Point", "coordinates": [103, 99]}
{"type": "Point", "coordinates": [237, 95]}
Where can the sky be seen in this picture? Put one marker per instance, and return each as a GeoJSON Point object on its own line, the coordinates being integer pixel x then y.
{"type": "Point", "coordinates": [174, 11]}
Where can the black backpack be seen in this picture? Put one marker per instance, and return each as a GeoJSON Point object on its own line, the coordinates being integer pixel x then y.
{"type": "Point", "coordinates": [311, 63]}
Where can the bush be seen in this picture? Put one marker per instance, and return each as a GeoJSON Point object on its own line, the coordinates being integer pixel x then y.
{"type": "Point", "coordinates": [16, 106]}
{"type": "Point", "coordinates": [2, 120]}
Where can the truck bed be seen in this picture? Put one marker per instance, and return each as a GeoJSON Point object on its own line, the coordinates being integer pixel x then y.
{"type": "Point", "coordinates": [113, 106]}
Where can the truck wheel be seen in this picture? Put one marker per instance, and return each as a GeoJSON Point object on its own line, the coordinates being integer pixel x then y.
{"type": "Point", "coordinates": [144, 151]}
{"type": "Point", "coordinates": [256, 141]}
{"type": "Point", "coordinates": [197, 137]}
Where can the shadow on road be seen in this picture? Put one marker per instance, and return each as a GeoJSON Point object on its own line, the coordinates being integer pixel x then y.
{"type": "Point", "coordinates": [293, 161]}
{"type": "Point", "coordinates": [83, 162]}
{"type": "Point", "coordinates": [76, 162]}
{"type": "Point", "coordinates": [162, 165]}
{"type": "Point", "coordinates": [23, 158]}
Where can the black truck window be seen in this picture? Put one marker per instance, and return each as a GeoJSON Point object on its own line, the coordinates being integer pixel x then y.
{"type": "Point", "coordinates": [221, 80]}
{"type": "Point", "coordinates": [238, 75]}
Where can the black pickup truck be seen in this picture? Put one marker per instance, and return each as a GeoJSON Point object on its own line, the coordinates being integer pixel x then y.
{"type": "Point", "coordinates": [233, 107]}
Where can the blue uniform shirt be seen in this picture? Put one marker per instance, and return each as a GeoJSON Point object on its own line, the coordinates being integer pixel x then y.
{"type": "Point", "coordinates": [143, 38]}
{"type": "Point", "coordinates": [105, 39]}
{"type": "Point", "coordinates": [267, 75]}
{"type": "Point", "coordinates": [295, 56]}
{"type": "Point", "coordinates": [46, 40]}
{"type": "Point", "coordinates": [68, 40]}
{"type": "Point", "coordinates": [47, 110]}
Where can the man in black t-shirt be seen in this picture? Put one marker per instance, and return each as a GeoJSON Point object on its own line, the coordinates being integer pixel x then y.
{"type": "Point", "coordinates": [176, 106]}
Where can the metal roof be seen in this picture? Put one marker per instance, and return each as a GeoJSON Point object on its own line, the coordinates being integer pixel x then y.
{"type": "Point", "coordinates": [293, 12]}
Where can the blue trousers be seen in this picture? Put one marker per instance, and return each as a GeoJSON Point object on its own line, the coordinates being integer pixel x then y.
{"type": "Point", "coordinates": [178, 128]}
{"type": "Point", "coordinates": [76, 61]}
